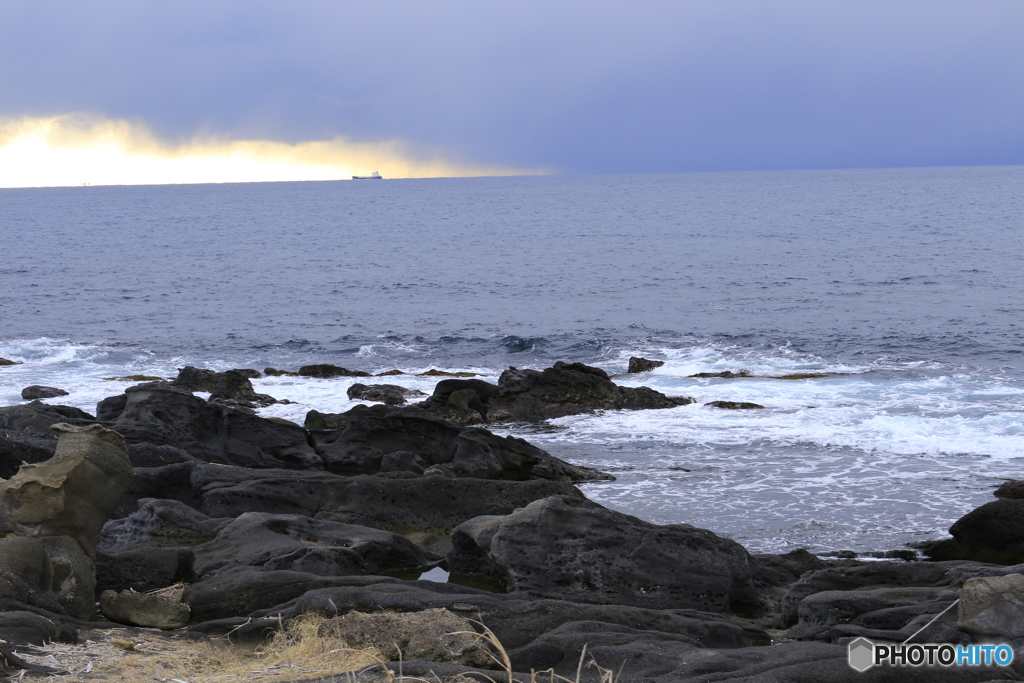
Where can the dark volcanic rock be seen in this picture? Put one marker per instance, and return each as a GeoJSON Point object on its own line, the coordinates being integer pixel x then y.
{"type": "Point", "coordinates": [725, 374]}
{"type": "Point", "coordinates": [160, 524]}
{"type": "Point", "coordinates": [37, 418]}
{"type": "Point", "coordinates": [159, 413]}
{"type": "Point", "coordinates": [572, 548]}
{"type": "Point", "coordinates": [232, 386]}
{"type": "Point", "coordinates": [391, 394]}
{"type": "Point", "coordinates": [404, 506]}
{"type": "Point", "coordinates": [365, 435]}
{"type": "Point", "coordinates": [143, 569]}
{"type": "Point", "coordinates": [244, 590]}
{"type": "Point", "coordinates": [25, 434]}
{"type": "Point", "coordinates": [37, 391]}
{"type": "Point", "coordinates": [27, 628]}
{"type": "Point", "coordinates": [4, 361]}
{"type": "Point", "coordinates": [993, 533]}
{"type": "Point", "coordinates": [274, 372]}
{"type": "Point", "coordinates": [637, 364]}
{"type": "Point", "coordinates": [313, 546]}
{"type": "Point", "coordinates": [532, 395]}
{"type": "Point", "coordinates": [326, 370]}
{"type": "Point", "coordinates": [539, 634]}
{"type": "Point", "coordinates": [1013, 488]}
{"type": "Point", "coordinates": [733, 405]}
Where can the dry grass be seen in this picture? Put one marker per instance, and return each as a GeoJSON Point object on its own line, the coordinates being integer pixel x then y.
{"type": "Point", "coordinates": [295, 653]}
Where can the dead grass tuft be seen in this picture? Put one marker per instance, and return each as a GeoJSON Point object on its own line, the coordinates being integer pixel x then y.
{"type": "Point", "coordinates": [298, 652]}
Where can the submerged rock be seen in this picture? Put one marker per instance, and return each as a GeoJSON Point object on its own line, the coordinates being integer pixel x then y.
{"type": "Point", "coordinates": [532, 395]}
{"type": "Point", "coordinates": [574, 549]}
{"type": "Point", "coordinates": [637, 364]}
{"type": "Point", "coordinates": [4, 361]}
{"type": "Point", "coordinates": [327, 371]}
{"type": "Point", "coordinates": [733, 405]}
{"type": "Point", "coordinates": [391, 394]}
{"type": "Point", "coordinates": [37, 391]}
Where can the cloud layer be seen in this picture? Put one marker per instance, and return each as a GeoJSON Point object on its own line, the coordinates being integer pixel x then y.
{"type": "Point", "coordinates": [87, 150]}
{"type": "Point", "coordinates": [591, 86]}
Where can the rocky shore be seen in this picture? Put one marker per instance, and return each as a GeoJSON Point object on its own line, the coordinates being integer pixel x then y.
{"type": "Point", "coordinates": [200, 518]}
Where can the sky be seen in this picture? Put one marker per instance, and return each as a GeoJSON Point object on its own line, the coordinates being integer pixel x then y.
{"type": "Point", "coordinates": [214, 89]}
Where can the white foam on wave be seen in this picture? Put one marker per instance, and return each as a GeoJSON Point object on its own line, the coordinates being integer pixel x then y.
{"type": "Point", "coordinates": [782, 360]}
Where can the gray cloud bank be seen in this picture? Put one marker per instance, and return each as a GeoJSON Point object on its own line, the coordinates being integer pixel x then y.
{"type": "Point", "coordinates": [578, 86]}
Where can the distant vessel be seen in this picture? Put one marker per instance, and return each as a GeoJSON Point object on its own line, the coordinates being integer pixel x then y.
{"type": "Point", "coordinates": [372, 176]}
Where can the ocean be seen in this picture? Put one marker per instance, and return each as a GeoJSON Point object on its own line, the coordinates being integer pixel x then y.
{"type": "Point", "coordinates": [903, 287]}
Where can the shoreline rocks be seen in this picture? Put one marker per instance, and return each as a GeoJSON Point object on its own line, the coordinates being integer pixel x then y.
{"type": "Point", "coordinates": [239, 523]}
{"type": "Point", "coordinates": [533, 395]}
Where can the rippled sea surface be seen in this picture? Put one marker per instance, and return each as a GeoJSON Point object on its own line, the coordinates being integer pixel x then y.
{"type": "Point", "coordinates": [903, 287]}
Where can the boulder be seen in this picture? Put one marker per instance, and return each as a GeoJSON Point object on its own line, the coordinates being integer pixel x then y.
{"type": "Point", "coordinates": [433, 635]}
{"type": "Point", "coordinates": [51, 514]}
{"type": "Point", "coordinates": [159, 413]}
{"type": "Point", "coordinates": [992, 533]}
{"type": "Point", "coordinates": [326, 370]}
{"type": "Point", "coordinates": [163, 609]}
{"type": "Point", "coordinates": [992, 608]}
{"type": "Point", "coordinates": [366, 434]}
{"type": "Point", "coordinates": [313, 546]}
{"type": "Point", "coordinates": [391, 394]}
{"type": "Point", "coordinates": [532, 395]}
{"type": "Point", "coordinates": [637, 364]}
{"type": "Point", "coordinates": [572, 548]}
{"type": "Point", "coordinates": [37, 391]}
{"type": "Point", "coordinates": [4, 361]}
{"type": "Point", "coordinates": [1012, 488]}
{"type": "Point", "coordinates": [274, 372]}
{"type": "Point", "coordinates": [73, 493]}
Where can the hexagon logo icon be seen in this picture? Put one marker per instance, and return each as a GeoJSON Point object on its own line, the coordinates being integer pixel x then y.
{"type": "Point", "coordinates": [861, 654]}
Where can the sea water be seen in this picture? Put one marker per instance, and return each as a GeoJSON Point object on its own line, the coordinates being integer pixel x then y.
{"type": "Point", "coordinates": [902, 287]}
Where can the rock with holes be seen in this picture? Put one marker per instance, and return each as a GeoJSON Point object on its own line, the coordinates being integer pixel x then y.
{"type": "Point", "coordinates": [577, 550]}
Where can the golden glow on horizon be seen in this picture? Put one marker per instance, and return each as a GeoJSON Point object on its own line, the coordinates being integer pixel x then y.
{"type": "Point", "coordinates": [74, 149]}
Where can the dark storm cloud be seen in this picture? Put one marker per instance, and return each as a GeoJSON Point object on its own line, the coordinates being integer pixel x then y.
{"type": "Point", "coordinates": [582, 86]}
